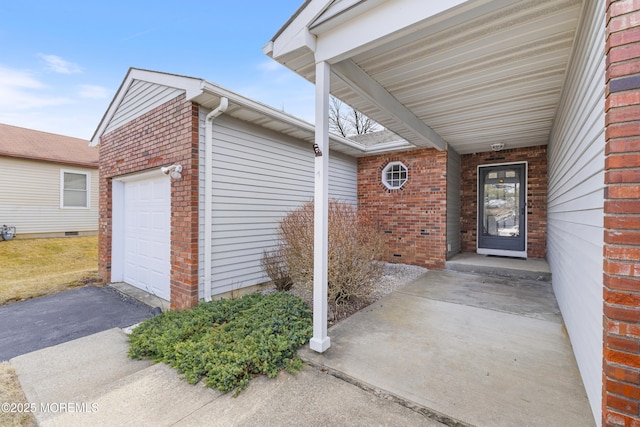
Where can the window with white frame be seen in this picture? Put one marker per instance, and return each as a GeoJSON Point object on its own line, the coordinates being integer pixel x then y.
{"type": "Point", "coordinates": [74, 189]}
{"type": "Point", "coordinates": [394, 175]}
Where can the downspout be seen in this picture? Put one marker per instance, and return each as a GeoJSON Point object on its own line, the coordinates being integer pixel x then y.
{"type": "Point", "coordinates": [208, 191]}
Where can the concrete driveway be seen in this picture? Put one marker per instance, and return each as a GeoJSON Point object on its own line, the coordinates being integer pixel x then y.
{"type": "Point", "coordinates": [50, 320]}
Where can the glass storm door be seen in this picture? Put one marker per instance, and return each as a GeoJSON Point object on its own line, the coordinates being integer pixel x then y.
{"type": "Point", "coordinates": [502, 210]}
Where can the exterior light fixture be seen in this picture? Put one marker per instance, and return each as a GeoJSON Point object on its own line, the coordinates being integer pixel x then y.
{"type": "Point", "coordinates": [174, 171]}
{"type": "Point", "coordinates": [497, 146]}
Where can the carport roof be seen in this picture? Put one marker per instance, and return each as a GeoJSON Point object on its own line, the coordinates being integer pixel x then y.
{"type": "Point", "coordinates": [464, 74]}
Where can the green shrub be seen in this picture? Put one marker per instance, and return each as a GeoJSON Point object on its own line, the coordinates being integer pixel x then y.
{"type": "Point", "coordinates": [227, 342]}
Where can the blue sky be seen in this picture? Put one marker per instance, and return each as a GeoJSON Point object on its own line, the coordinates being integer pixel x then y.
{"type": "Point", "coordinates": [61, 62]}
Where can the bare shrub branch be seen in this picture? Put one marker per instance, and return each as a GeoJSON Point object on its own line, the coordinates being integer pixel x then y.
{"type": "Point", "coordinates": [276, 268]}
{"type": "Point", "coordinates": [354, 246]}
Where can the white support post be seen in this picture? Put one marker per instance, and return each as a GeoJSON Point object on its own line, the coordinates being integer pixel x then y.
{"type": "Point", "coordinates": [320, 341]}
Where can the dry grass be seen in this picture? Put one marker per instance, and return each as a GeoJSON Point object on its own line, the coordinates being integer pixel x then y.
{"type": "Point", "coordinates": [36, 267]}
{"type": "Point", "coordinates": [11, 392]}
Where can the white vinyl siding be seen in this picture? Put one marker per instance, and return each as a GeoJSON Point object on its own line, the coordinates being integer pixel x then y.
{"type": "Point", "coordinates": [31, 198]}
{"type": "Point", "coordinates": [453, 202]}
{"type": "Point", "coordinates": [259, 176]}
{"type": "Point", "coordinates": [139, 99]}
{"type": "Point", "coordinates": [576, 199]}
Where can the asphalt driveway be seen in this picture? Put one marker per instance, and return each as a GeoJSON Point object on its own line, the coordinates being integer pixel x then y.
{"type": "Point", "coordinates": [50, 320]}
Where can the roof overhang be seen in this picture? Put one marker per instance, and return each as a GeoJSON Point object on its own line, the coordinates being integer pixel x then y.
{"type": "Point", "coordinates": [208, 95]}
{"type": "Point", "coordinates": [88, 165]}
{"type": "Point", "coordinates": [191, 86]}
{"type": "Point", "coordinates": [464, 74]}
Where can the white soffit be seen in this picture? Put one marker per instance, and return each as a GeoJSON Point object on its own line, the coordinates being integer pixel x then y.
{"type": "Point", "coordinates": [483, 72]}
{"type": "Point", "coordinates": [262, 115]}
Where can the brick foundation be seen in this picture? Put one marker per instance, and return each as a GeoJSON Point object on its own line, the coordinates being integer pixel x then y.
{"type": "Point", "coordinates": [413, 218]}
{"type": "Point", "coordinates": [536, 157]}
{"type": "Point", "coordinates": [166, 135]}
{"type": "Point", "coordinates": [621, 278]}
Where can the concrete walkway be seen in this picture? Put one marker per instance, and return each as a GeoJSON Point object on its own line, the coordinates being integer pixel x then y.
{"type": "Point", "coordinates": [92, 382]}
{"type": "Point", "coordinates": [447, 349]}
{"type": "Point", "coordinates": [473, 350]}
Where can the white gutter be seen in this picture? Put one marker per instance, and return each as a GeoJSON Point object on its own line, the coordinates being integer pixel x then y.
{"type": "Point", "coordinates": [388, 147]}
{"type": "Point", "coordinates": [280, 116]}
{"type": "Point", "coordinates": [208, 191]}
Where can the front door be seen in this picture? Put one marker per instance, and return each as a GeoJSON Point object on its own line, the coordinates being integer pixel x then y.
{"type": "Point", "coordinates": [502, 219]}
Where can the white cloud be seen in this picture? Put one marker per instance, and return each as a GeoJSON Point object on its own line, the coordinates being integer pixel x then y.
{"type": "Point", "coordinates": [140, 34]}
{"type": "Point", "coordinates": [270, 66]}
{"type": "Point", "coordinates": [73, 110]}
{"type": "Point", "coordinates": [59, 65]}
{"type": "Point", "coordinates": [18, 78]}
{"type": "Point", "coordinates": [19, 90]}
{"type": "Point", "coordinates": [93, 92]}
{"type": "Point", "coordinates": [276, 74]}
{"type": "Point", "coordinates": [13, 99]}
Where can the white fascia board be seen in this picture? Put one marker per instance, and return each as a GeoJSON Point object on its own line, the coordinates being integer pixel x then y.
{"type": "Point", "coordinates": [295, 34]}
{"type": "Point", "coordinates": [374, 26]}
{"type": "Point", "coordinates": [302, 40]}
{"type": "Point", "coordinates": [113, 106]}
{"type": "Point", "coordinates": [340, 12]}
{"type": "Point", "coordinates": [388, 147]}
{"type": "Point", "coordinates": [192, 87]}
{"type": "Point", "coordinates": [239, 101]}
{"type": "Point", "coordinates": [372, 91]}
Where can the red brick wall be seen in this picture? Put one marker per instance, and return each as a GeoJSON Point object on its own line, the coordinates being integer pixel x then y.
{"type": "Point", "coordinates": [536, 157]}
{"type": "Point", "coordinates": [413, 218]}
{"type": "Point", "coordinates": [168, 134]}
{"type": "Point", "coordinates": [621, 279]}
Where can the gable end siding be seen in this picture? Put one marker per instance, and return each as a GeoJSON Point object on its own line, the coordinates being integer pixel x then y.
{"type": "Point", "coordinates": [141, 97]}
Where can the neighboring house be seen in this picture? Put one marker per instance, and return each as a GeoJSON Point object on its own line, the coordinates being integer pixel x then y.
{"type": "Point", "coordinates": [524, 120]}
{"type": "Point", "coordinates": [49, 184]}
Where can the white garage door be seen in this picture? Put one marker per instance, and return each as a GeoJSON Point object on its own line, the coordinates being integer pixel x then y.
{"type": "Point", "coordinates": [147, 227]}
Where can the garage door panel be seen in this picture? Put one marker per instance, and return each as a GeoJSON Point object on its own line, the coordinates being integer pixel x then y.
{"type": "Point", "coordinates": [147, 207]}
{"type": "Point", "coordinates": [158, 222]}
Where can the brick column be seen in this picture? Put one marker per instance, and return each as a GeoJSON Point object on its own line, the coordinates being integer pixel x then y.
{"type": "Point", "coordinates": [185, 212]}
{"type": "Point", "coordinates": [621, 293]}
